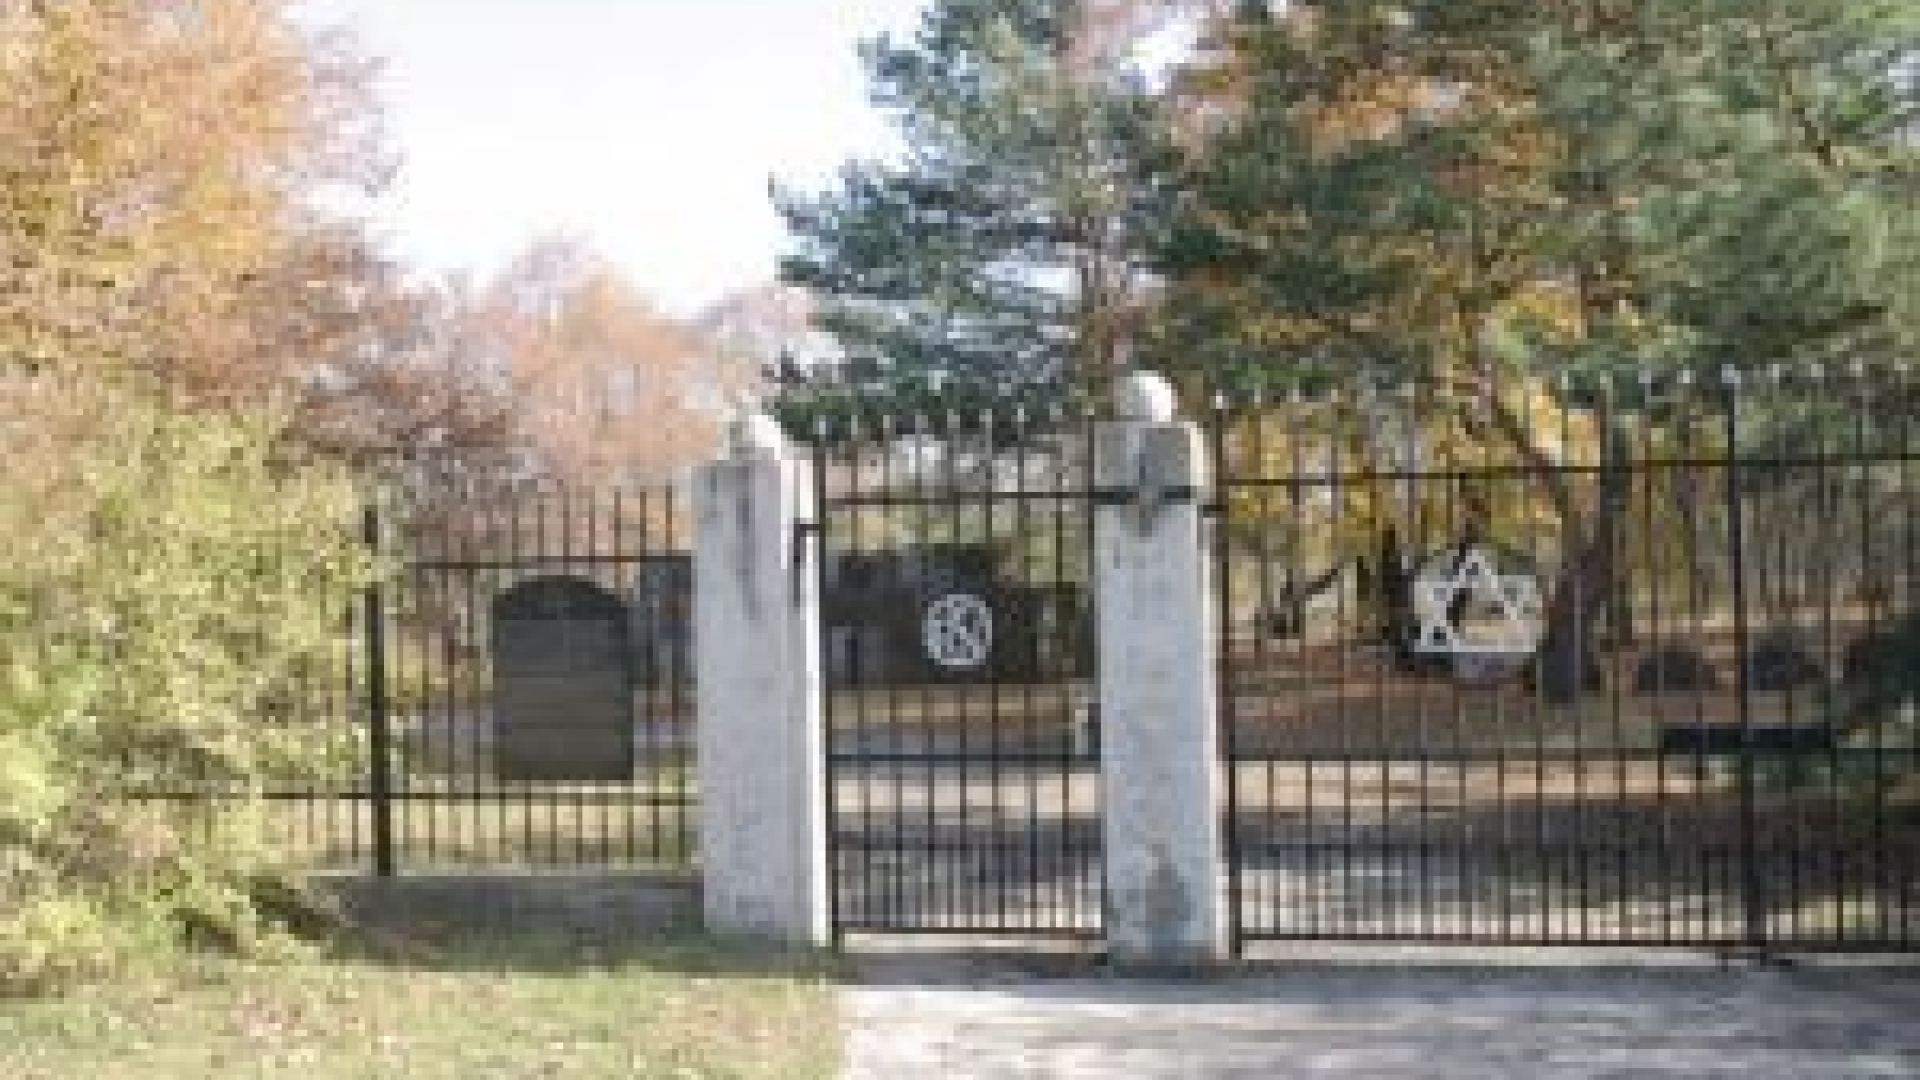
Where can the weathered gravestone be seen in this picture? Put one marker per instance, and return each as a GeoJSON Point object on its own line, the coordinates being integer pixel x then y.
{"type": "Point", "coordinates": [562, 683]}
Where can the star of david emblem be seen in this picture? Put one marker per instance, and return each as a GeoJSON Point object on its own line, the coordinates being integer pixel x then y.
{"type": "Point", "coordinates": [1501, 616]}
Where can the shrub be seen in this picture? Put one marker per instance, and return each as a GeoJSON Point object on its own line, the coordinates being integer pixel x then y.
{"type": "Point", "coordinates": [168, 578]}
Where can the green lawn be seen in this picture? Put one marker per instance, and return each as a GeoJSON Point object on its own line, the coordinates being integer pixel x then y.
{"type": "Point", "coordinates": [519, 1009]}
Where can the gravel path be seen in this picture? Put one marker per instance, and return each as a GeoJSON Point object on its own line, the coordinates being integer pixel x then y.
{"type": "Point", "coordinates": [928, 1019]}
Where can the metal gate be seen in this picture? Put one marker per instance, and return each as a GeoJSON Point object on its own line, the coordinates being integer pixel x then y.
{"type": "Point", "coordinates": [1621, 662]}
{"type": "Point", "coordinates": [957, 640]}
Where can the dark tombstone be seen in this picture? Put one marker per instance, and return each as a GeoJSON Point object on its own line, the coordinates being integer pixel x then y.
{"type": "Point", "coordinates": [562, 683]}
{"type": "Point", "coordinates": [1674, 669]}
{"type": "Point", "coordinates": [1783, 659]}
{"type": "Point", "coordinates": [938, 613]}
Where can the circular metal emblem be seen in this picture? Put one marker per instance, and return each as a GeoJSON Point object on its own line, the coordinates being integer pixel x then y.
{"type": "Point", "coordinates": [957, 631]}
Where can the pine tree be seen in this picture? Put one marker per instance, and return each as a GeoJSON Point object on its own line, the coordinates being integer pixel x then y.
{"type": "Point", "coordinates": [1580, 185]}
{"type": "Point", "coordinates": [1759, 156]}
{"type": "Point", "coordinates": [1006, 245]}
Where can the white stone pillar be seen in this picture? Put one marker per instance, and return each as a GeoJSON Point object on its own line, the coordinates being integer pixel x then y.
{"type": "Point", "coordinates": [1160, 759]}
{"type": "Point", "coordinates": [761, 761]}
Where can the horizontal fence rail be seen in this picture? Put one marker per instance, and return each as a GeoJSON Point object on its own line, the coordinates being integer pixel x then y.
{"type": "Point", "coordinates": [1629, 661]}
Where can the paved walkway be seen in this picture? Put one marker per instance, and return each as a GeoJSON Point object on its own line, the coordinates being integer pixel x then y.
{"type": "Point", "coordinates": [919, 1021]}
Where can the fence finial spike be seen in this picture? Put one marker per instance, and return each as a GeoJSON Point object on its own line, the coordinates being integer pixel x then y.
{"type": "Point", "coordinates": [1146, 396]}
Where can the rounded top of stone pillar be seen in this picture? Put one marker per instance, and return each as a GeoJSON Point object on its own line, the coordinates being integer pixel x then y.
{"type": "Point", "coordinates": [1143, 395]}
{"type": "Point", "coordinates": [755, 435]}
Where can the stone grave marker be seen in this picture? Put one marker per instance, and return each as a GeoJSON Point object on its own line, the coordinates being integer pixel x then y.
{"type": "Point", "coordinates": [562, 683]}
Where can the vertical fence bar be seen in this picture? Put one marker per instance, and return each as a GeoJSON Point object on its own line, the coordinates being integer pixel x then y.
{"type": "Point", "coordinates": [816, 535]}
{"type": "Point", "coordinates": [1870, 594]}
{"type": "Point", "coordinates": [1752, 903]}
{"type": "Point", "coordinates": [379, 719]}
{"type": "Point", "coordinates": [1227, 721]}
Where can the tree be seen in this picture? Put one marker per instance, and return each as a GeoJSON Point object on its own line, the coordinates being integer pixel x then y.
{"type": "Point", "coordinates": [173, 582]}
{"type": "Point", "coordinates": [1759, 156]}
{"type": "Point", "coordinates": [155, 183]}
{"type": "Point", "coordinates": [604, 387]}
{"type": "Point", "coordinates": [1476, 193]}
{"type": "Point", "coordinates": [1367, 193]}
{"type": "Point", "coordinates": [387, 367]}
{"type": "Point", "coordinates": [1007, 244]}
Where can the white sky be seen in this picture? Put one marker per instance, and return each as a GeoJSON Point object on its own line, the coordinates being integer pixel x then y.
{"type": "Point", "coordinates": [648, 127]}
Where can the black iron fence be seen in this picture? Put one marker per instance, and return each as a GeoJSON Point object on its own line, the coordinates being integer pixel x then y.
{"type": "Point", "coordinates": [516, 692]}
{"type": "Point", "coordinates": [955, 556]}
{"type": "Point", "coordinates": [1613, 660]}
{"type": "Point", "coordinates": [1588, 660]}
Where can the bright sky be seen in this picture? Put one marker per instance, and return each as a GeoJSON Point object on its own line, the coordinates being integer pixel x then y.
{"type": "Point", "coordinates": [648, 127]}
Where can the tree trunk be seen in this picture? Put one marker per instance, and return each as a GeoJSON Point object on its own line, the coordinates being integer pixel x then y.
{"type": "Point", "coordinates": [1565, 667]}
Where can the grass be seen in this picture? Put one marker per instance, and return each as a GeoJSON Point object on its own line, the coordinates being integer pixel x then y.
{"type": "Point", "coordinates": [531, 1006]}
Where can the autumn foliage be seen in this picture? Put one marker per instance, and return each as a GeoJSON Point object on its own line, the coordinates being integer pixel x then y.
{"type": "Point", "coordinates": [205, 365]}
